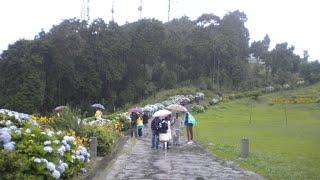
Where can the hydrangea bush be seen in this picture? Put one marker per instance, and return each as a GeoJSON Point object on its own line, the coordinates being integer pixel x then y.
{"type": "Point", "coordinates": [27, 151]}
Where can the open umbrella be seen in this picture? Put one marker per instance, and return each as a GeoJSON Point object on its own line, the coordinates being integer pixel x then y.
{"type": "Point", "coordinates": [161, 113]}
{"type": "Point", "coordinates": [59, 108]}
{"type": "Point", "coordinates": [100, 106]}
{"type": "Point", "coordinates": [135, 109]}
{"type": "Point", "coordinates": [177, 107]}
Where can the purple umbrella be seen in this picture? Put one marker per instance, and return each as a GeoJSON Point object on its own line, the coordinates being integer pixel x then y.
{"type": "Point", "coordinates": [135, 109]}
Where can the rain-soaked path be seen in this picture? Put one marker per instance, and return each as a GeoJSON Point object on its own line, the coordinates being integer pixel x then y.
{"type": "Point", "coordinates": [138, 161]}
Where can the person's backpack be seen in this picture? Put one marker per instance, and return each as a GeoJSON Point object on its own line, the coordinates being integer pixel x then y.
{"type": "Point", "coordinates": [163, 126]}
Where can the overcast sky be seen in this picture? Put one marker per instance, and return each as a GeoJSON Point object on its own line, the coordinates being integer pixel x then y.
{"type": "Point", "coordinates": [293, 21]}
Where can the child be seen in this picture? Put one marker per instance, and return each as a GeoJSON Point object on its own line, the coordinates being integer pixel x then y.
{"type": "Point", "coordinates": [139, 124]}
{"type": "Point", "coordinates": [165, 133]}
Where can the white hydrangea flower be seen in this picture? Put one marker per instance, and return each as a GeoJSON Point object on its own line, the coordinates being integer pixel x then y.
{"type": "Point", "coordinates": [18, 132]}
{"type": "Point", "coordinates": [37, 160]}
{"type": "Point", "coordinates": [47, 143]}
{"type": "Point", "coordinates": [51, 166]}
{"type": "Point", "coordinates": [8, 123]}
{"type": "Point", "coordinates": [61, 150]}
{"type": "Point", "coordinates": [65, 165]}
{"type": "Point", "coordinates": [59, 132]}
{"type": "Point", "coordinates": [44, 160]}
{"type": "Point", "coordinates": [64, 142]}
{"type": "Point", "coordinates": [61, 168]}
{"type": "Point", "coordinates": [43, 133]}
{"type": "Point", "coordinates": [9, 146]}
{"type": "Point", "coordinates": [69, 138]}
{"type": "Point", "coordinates": [67, 146]}
{"type": "Point", "coordinates": [28, 130]}
{"type": "Point", "coordinates": [50, 133]}
{"type": "Point", "coordinates": [13, 127]}
{"type": "Point", "coordinates": [33, 135]}
{"type": "Point", "coordinates": [48, 149]}
{"type": "Point", "coordinates": [56, 142]}
{"type": "Point", "coordinates": [56, 174]}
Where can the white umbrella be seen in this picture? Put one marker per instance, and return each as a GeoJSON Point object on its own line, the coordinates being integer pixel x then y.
{"type": "Point", "coordinates": [161, 113]}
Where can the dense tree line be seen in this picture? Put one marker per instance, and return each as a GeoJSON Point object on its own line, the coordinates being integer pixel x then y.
{"type": "Point", "coordinates": [79, 63]}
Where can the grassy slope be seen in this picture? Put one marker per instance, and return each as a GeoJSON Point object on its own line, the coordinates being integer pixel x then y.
{"type": "Point", "coordinates": [278, 151]}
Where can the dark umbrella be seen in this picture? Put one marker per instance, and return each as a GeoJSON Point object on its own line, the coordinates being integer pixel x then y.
{"type": "Point", "coordinates": [99, 106]}
{"type": "Point", "coordinates": [135, 109]}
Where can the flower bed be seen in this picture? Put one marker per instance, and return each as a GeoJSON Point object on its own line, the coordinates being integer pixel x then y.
{"type": "Point", "coordinates": [28, 151]}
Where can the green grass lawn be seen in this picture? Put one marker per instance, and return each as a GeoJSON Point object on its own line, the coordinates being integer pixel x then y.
{"type": "Point", "coordinates": [277, 150]}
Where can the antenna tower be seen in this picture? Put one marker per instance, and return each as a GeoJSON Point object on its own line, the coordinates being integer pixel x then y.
{"type": "Point", "coordinates": [85, 10]}
{"type": "Point", "coordinates": [112, 10]}
{"type": "Point", "coordinates": [140, 9]}
{"type": "Point", "coordinates": [169, 7]}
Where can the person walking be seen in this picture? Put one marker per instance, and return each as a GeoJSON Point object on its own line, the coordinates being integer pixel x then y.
{"type": "Point", "coordinates": [165, 132]}
{"type": "Point", "coordinates": [98, 114]}
{"type": "Point", "coordinates": [155, 127]}
{"type": "Point", "coordinates": [145, 119]}
{"type": "Point", "coordinates": [189, 128]}
{"type": "Point", "coordinates": [133, 124]}
{"type": "Point", "coordinates": [176, 122]}
{"type": "Point", "coordinates": [139, 124]}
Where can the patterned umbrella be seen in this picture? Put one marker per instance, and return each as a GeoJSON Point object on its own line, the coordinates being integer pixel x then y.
{"type": "Point", "coordinates": [100, 106]}
{"type": "Point", "coordinates": [161, 113]}
{"type": "Point", "coordinates": [177, 107]}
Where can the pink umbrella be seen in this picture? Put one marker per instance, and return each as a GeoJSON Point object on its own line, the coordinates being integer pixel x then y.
{"type": "Point", "coordinates": [177, 107]}
{"type": "Point", "coordinates": [161, 113]}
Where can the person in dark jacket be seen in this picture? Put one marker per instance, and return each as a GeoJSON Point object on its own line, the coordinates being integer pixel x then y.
{"type": "Point", "coordinates": [133, 127]}
{"type": "Point", "coordinates": [145, 118]}
{"type": "Point", "coordinates": [155, 127]}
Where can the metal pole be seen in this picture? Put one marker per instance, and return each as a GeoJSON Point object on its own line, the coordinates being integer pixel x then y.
{"type": "Point", "coordinates": [244, 147]}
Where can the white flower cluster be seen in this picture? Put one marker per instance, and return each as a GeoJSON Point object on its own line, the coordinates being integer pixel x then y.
{"type": "Point", "coordinates": [97, 122]}
{"type": "Point", "coordinates": [270, 89]}
{"type": "Point", "coordinates": [178, 99]}
{"type": "Point", "coordinates": [286, 86]}
{"type": "Point", "coordinates": [56, 170]}
{"type": "Point", "coordinates": [216, 99]}
{"type": "Point", "coordinates": [21, 117]}
{"type": "Point", "coordinates": [300, 82]}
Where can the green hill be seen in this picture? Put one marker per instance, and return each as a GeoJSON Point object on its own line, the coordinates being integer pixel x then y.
{"type": "Point", "coordinates": [284, 132]}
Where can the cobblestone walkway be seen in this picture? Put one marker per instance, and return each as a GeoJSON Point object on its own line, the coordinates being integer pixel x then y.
{"type": "Point", "coordinates": [138, 161]}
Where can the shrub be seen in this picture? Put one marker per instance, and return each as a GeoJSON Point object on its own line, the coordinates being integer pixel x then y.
{"type": "Point", "coordinates": [106, 136]}
{"type": "Point", "coordinates": [197, 109]}
{"type": "Point", "coordinates": [29, 152]}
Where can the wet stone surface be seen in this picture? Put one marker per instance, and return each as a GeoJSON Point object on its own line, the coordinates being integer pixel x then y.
{"type": "Point", "coordinates": [139, 161]}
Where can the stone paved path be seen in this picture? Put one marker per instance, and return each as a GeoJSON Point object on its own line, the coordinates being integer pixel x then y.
{"type": "Point", "coordinates": [138, 161]}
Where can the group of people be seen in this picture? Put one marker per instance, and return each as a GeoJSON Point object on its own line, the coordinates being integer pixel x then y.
{"type": "Point", "coordinates": [138, 123]}
{"type": "Point", "coordinates": [165, 130]}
